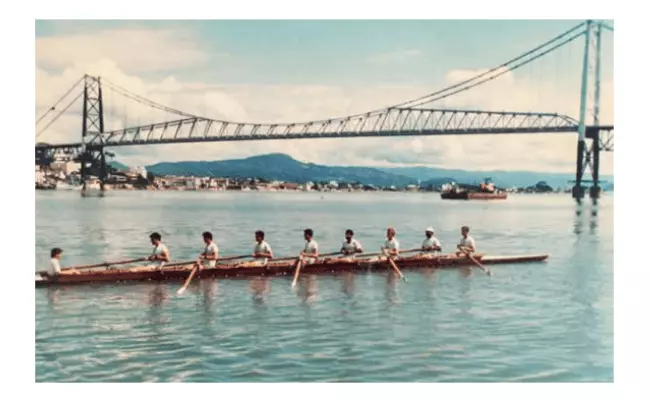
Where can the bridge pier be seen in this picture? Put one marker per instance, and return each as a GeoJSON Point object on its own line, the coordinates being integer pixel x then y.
{"type": "Point", "coordinates": [93, 157]}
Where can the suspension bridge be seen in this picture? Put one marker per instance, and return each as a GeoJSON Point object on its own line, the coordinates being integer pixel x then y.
{"type": "Point", "coordinates": [418, 117]}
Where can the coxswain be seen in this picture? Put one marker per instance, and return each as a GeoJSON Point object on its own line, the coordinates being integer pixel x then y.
{"type": "Point", "coordinates": [160, 252]}
{"type": "Point", "coordinates": [431, 243]}
{"type": "Point", "coordinates": [54, 269]}
{"type": "Point", "coordinates": [467, 243]}
{"type": "Point", "coordinates": [391, 244]}
{"type": "Point", "coordinates": [350, 245]}
{"type": "Point", "coordinates": [211, 252]}
{"type": "Point", "coordinates": [262, 249]}
{"type": "Point", "coordinates": [310, 252]}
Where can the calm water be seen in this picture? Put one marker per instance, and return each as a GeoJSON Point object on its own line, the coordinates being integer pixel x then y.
{"type": "Point", "coordinates": [549, 321]}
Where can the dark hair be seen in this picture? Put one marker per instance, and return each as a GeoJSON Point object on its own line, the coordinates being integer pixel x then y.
{"type": "Point", "coordinates": [465, 228]}
{"type": "Point", "coordinates": [155, 235]}
{"type": "Point", "coordinates": [259, 233]}
{"type": "Point", "coordinates": [207, 235]}
{"type": "Point", "coordinates": [350, 232]}
{"type": "Point", "coordinates": [55, 251]}
{"type": "Point", "coordinates": [309, 232]}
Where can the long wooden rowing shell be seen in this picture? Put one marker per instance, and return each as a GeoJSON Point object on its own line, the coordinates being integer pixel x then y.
{"type": "Point", "coordinates": [274, 268]}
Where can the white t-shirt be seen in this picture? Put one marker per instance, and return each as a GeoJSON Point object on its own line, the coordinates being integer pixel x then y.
{"type": "Point", "coordinates": [211, 250]}
{"type": "Point", "coordinates": [468, 241]}
{"type": "Point", "coordinates": [157, 251]}
{"type": "Point", "coordinates": [55, 267]}
{"type": "Point", "coordinates": [352, 247]}
{"type": "Point", "coordinates": [262, 248]}
{"type": "Point", "coordinates": [311, 247]}
{"type": "Point", "coordinates": [392, 244]}
{"type": "Point", "coordinates": [431, 242]}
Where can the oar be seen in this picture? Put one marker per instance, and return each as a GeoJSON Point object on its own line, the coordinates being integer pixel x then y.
{"type": "Point", "coordinates": [487, 271]}
{"type": "Point", "coordinates": [180, 263]}
{"type": "Point", "coordinates": [104, 264]}
{"type": "Point", "coordinates": [295, 276]}
{"type": "Point", "coordinates": [382, 253]}
{"type": "Point", "coordinates": [189, 278]}
{"type": "Point", "coordinates": [234, 258]}
{"type": "Point", "coordinates": [392, 263]}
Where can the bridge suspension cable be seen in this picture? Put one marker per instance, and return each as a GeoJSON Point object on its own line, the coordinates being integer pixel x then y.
{"type": "Point", "coordinates": [59, 114]}
{"type": "Point", "coordinates": [502, 72]}
{"type": "Point", "coordinates": [52, 108]}
{"type": "Point", "coordinates": [142, 100]}
{"type": "Point", "coordinates": [505, 67]}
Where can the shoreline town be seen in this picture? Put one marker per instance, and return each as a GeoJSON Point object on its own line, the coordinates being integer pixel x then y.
{"type": "Point", "coordinates": [66, 176]}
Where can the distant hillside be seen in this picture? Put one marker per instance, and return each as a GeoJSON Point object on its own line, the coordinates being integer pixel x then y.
{"type": "Point", "coordinates": [118, 166]}
{"type": "Point", "coordinates": [284, 168]}
{"type": "Point", "coordinates": [281, 167]}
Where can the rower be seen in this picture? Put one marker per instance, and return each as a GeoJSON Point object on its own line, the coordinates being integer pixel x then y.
{"type": "Point", "coordinates": [350, 246]}
{"type": "Point", "coordinates": [467, 243]}
{"type": "Point", "coordinates": [160, 252]}
{"type": "Point", "coordinates": [211, 252]}
{"type": "Point", "coordinates": [431, 243]}
{"type": "Point", "coordinates": [310, 252]}
{"type": "Point", "coordinates": [262, 249]}
{"type": "Point", "coordinates": [391, 244]}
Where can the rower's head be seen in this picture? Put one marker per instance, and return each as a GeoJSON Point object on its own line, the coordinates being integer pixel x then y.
{"type": "Point", "coordinates": [348, 235]}
{"type": "Point", "coordinates": [464, 230]}
{"type": "Point", "coordinates": [390, 233]}
{"type": "Point", "coordinates": [429, 232]}
{"type": "Point", "coordinates": [207, 237]}
{"type": "Point", "coordinates": [155, 238]}
{"type": "Point", "coordinates": [259, 236]}
{"type": "Point", "coordinates": [308, 234]}
{"type": "Point", "coordinates": [56, 253]}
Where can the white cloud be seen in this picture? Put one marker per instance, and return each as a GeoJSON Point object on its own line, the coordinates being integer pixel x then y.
{"type": "Point", "coordinates": [513, 91]}
{"type": "Point", "coordinates": [133, 50]}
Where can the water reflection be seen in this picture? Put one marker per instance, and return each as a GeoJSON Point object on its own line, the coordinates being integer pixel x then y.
{"type": "Point", "coordinates": [209, 289]}
{"type": "Point", "coordinates": [579, 222]}
{"type": "Point", "coordinates": [157, 296]}
{"type": "Point", "coordinates": [392, 294]}
{"type": "Point", "coordinates": [260, 286]}
{"type": "Point", "coordinates": [308, 288]}
{"type": "Point", "coordinates": [53, 294]}
{"type": "Point", "coordinates": [347, 286]}
{"type": "Point", "coordinates": [465, 271]}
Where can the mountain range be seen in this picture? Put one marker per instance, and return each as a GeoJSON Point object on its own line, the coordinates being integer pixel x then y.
{"type": "Point", "coordinates": [282, 167]}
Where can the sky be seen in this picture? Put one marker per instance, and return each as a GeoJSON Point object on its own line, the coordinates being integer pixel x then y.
{"type": "Point", "coordinates": [296, 71]}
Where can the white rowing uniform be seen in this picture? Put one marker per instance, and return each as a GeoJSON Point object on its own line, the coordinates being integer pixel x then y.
{"type": "Point", "coordinates": [211, 250]}
{"type": "Point", "coordinates": [55, 267]}
{"type": "Point", "coordinates": [392, 244]}
{"type": "Point", "coordinates": [262, 248]}
{"type": "Point", "coordinates": [351, 247]}
{"type": "Point", "coordinates": [158, 251]}
{"type": "Point", "coordinates": [311, 247]}
{"type": "Point", "coordinates": [468, 241]}
{"type": "Point", "coordinates": [431, 242]}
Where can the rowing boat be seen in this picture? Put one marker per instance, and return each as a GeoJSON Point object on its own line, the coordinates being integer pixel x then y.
{"type": "Point", "coordinates": [274, 268]}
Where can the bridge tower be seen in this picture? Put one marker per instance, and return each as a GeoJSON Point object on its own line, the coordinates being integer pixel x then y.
{"type": "Point", "coordinates": [92, 158]}
{"type": "Point", "coordinates": [588, 157]}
